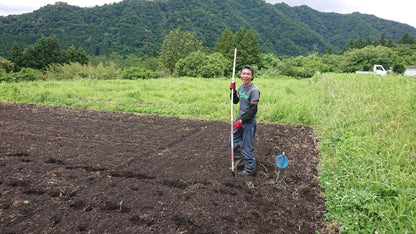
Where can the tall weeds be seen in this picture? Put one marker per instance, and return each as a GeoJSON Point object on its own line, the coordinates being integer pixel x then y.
{"type": "Point", "coordinates": [78, 71]}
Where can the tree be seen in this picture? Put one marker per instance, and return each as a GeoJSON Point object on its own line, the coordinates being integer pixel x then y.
{"type": "Point", "coordinates": [247, 46]}
{"type": "Point", "coordinates": [30, 58]}
{"type": "Point", "coordinates": [390, 43]}
{"type": "Point", "coordinates": [178, 45]}
{"type": "Point", "coordinates": [16, 56]}
{"type": "Point", "coordinates": [360, 43]}
{"type": "Point", "coordinates": [329, 51]}
{"type": "Point", "coordinates": [248, 49]}
{"type": "Point", "coordinates": [349, 46]}
{"type": "Point", "coordinates": [71, 54]}
{"type": "Point", "coordinates": [48, 51]}
{"type": "Point", "coordinates": [82, 57]}
{"type": "Point", "coordinates": [76, 56]}
{"type": "Point", "coordinates": [382, 41]}
{"type": "Point", "coordinates": [407, 39]}
{"type": "Point", "coordinates": [368, 41]}
{"type": "Point", "coordinates": [225, 43]}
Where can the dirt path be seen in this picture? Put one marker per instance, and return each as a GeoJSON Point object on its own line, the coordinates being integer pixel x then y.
{"type": "Point", "coordinates": [67, 171]}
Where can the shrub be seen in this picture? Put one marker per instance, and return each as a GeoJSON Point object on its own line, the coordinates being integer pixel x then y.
{"type": "Point", "coordinates": [215, 66]}
{"type": "Point", "coordinates": [399, 67]}
{"type": "Point", "coordinates": [191, 65]}
{"type": "Point", "coordinates": [6, 65]}
{"type": "Point", "coordinates": [26, 74]}
{"type": "Point", "coordinates": [79, 71]}
{"type": "Point", "coordinates": [199, 64]}
{"type": "Point", "coordinates": [365, 58]}
{"type": "Point", "coordinates": [304, 67]}
{"type": "Point", "coordinates": [3, 75]}
{"type": "Point", "coordinates": [139, 73]}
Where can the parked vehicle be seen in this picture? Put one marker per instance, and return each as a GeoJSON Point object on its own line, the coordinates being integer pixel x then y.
{"type": "Point", "coordinates": [377, 70]}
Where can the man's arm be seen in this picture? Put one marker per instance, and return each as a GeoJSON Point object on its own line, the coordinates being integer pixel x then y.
{"type": "Point", "coordinates": [236, 98]}
{"type": "Point", "coordinates": [251, 112]}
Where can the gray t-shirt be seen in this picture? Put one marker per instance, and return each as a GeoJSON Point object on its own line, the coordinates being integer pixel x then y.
{"type": "Point", "coordinates": [247, 95]}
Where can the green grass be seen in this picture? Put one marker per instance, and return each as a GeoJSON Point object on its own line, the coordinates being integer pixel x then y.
{"type": "Point", "coordinates": [366, 127]}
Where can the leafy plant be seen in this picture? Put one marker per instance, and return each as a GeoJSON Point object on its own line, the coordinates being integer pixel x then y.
{"type": "Point", "coordinates": [177, 45]}
{"type": "Point", "coordinates": [82, 71]}
{"type": "Point", "coordinates": [6, 65]}
{"type": "Point", "coordinates": [199, 64]}
{"type": "Point", "coordinates": [26, 74]}
{"type": "Point", "coordinates": [121, 204]}
{"type": "Point", "coordinates": [365, 58]}
{"type": "Point", "coordinates": [139, 73]}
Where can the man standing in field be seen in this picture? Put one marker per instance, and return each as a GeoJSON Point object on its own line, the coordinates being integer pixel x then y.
{"type": "Point", "coordinates": [245, 125]}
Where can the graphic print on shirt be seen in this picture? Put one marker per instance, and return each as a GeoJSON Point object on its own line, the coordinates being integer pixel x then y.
{"type": "Point", "coordinates": [242, 95]}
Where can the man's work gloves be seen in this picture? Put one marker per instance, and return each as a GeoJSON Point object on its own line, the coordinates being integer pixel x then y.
{"type": "Point", "coordinates": [238, 124]}
{"type": "Point", "coordinates": [232, 86]}
{"type": "Point", "coordinates": [235, 97]}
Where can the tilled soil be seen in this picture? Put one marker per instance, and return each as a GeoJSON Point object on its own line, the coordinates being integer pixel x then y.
{"type": "Point", "coordinates": [64, 170]}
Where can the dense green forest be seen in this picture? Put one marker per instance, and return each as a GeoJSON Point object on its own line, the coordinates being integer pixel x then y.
{"type": "Point", "coordinates": [139, 27]}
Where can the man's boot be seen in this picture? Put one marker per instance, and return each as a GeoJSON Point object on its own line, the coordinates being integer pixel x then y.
{"type": "Point", "coordinates": [238, 162]}
{"type": "Point", "coordinates": [247, 171]}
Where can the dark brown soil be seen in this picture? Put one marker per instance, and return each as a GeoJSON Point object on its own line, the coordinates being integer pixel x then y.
{"type": "Point", "coordinates": [69, 171]}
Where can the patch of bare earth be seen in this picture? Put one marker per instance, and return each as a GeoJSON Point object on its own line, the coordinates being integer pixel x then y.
{"type": "Point", "coordinates": [67, 170]}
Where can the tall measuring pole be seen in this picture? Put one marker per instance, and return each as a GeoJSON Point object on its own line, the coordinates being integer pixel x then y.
{"type": "Point", "coordinates": [232, 117]}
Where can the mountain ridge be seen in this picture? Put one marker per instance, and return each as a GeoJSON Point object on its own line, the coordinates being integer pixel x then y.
{"type": "Point", "coordinates": [139, 26]}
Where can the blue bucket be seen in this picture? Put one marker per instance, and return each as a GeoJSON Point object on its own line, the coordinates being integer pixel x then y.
{"type": "Point", "coordinates": [281, 162]}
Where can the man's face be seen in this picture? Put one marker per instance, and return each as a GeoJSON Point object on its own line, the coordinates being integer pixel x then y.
{"type": "Point", "coordinates": [246, 77]}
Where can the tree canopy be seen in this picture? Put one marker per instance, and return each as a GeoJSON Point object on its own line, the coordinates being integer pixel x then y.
{"type": "Point", "coordinates": [178, 45]}
{"type": "Point", "coordinates": [46, 52]}
{"type": "Point", "coordinates": [248, 49]}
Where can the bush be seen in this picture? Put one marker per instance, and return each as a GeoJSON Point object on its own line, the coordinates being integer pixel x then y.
{"type": "Point", "coordinates": [78, 71]}
{"type": "Point", "coordinates": [3, 75]}
{"type": "Point", "coordinates": [399, 67]}
{"type": "Point", "coordinates": [26, 74]}
{"type": "Point", "coordinates": [304, 67]}
{"type": "Point", "coordinates": [365, 58]}
{"type": "Point", "coordinates": [191, 65]}
{"type": "Point", "coordinates": [215, 66]}
{"type": "Point", "coordinates": [6, 65]}
{"type": "Point", "coordinates": [199, 64]}
{"type": "Point", "coordinates": [139, 73]}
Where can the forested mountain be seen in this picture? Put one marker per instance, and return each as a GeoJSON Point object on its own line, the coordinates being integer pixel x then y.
{"type": "Point", "coordinates": [139, 26]}
{"type": "Point", "coordinates": [338, 29]}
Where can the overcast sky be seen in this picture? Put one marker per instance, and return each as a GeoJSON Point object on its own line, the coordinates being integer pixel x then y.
{"type": "Point", "coordinates": [403, 11]}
